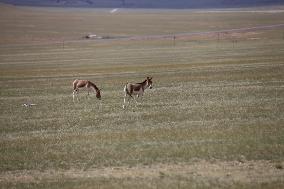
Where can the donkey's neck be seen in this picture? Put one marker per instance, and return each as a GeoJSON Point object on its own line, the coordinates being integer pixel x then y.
{"type": "Point", "coordinates": [92, 85]}
{"type": "Point", "coordinates": [144, 84]}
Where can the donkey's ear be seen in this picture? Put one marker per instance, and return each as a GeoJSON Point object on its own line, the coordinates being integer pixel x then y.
{"type": "Point", "coordinates": [150, 78]}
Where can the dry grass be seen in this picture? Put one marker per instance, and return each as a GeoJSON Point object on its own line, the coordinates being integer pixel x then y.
{"type": "Point", "coordinates": [215, 105]}
{"type": "Point", "coordinates": [227, 172]}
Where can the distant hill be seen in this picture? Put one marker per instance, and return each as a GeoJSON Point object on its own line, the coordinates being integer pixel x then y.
{"type": "Point", "coordinates": [147, 3]}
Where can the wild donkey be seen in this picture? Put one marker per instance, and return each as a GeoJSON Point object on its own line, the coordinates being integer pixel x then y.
{"type": "Point", "coordinates": [136, 89]}
{"type": "Point", "coordinates": [85, 83]}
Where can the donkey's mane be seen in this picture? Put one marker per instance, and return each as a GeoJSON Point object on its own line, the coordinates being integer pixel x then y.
{"type": "Point", "coordinates": [143, 81]}
{"type": "Point", "coordinates": [93, 85]}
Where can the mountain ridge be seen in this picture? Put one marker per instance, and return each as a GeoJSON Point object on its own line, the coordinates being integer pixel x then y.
{"type": "Point", "coordinates": [179, 4]}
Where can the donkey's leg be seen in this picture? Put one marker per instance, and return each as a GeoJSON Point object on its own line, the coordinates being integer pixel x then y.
{"type": "Point", "coordinates": [136, 99]}
{"type": "Point", "coordinates": [128, 97]}
{"type": "Point", "coordinates": [75, 93]}
{"type": "Point", "coordinates": [88, 93]}
{"type": "Point", "coordinates": [124, 101]}
{"type": "Point", "coordinates": [73, 96]}
{"type": "Point", "coordinates": [88, 89]}
{"type": "Point", "coordinates": [139, 96]}
{"type": "Point", "coordinates": [140, 99]}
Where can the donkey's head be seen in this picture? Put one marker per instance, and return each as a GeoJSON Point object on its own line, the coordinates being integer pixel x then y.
{"type": "Point", "coordinates": [98, 94]}
{"type": "Point", "coordinates": [149, 82]}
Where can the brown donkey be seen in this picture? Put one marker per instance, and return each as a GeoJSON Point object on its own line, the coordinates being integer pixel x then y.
{"type": "Point", "coordinates": [77, 83]}
{"type": "Point", "coordinates": [136, 89]}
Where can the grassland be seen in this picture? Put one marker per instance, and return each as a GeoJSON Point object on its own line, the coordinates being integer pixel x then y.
{"type": "Point", "coordinates": [214, 118]}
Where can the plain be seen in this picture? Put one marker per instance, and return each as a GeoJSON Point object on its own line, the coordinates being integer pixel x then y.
{"type": "Point", "coordinates": [214, 118]}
